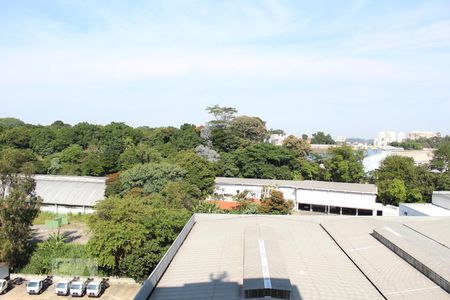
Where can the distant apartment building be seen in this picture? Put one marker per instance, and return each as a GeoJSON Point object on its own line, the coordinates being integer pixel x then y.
{"type": "Point", "coordinates": [384, 138]}
{"type": "Point", "coordinates": [341, 139]}
{"type": "Point", "coordinates": [414, 135]}
{"type": "Point", "coordinates": [277, 139]}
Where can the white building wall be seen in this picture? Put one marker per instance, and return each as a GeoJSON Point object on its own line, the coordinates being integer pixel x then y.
{"type": "Point", "coordinates": [231, 190]}
{"type": "Point", "coordinates": [255, 191]}
{"type": "Point", "coordinates": [404, 210]}
{"type": "Point", "coordinates": [341, 199]}
{"type": "Point", "coordinates": [67, 209]}
{"type": "Point", "coordinates": [315, 197]}
{"type": "Point", "coordinates": [441, 199]}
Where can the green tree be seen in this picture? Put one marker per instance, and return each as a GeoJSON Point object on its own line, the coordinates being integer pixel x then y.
{"type": "Point", "coordinates": [199, 172]}
{"type": "Point", "coordinates": [441, 158]}
{"type": "Point", "coordinates": [321, 138]}
{"type": "Point", "coordinates": [275, 204]}
{"type": "Point", "coordinates": [130, 235]}
{"type": "Point", "coordinates": [220, 135]}
{"type": "Point", "coordinates": [224, 139]}
{"type": "Point", "coordinates": [187, 137]}
{"type": "Point", "coordinates": [276, 131]}
{"type": "Point", "coordinates": [250, 130]}
{"type": "Point", "coordinates": [204, 207]}
{"type": "Point", "coordinates": [418, 180]}
{"type": "Point", "coordinates": [393, 191]}
{"type": "Point", "coordinates": [19, 205]}
{"type": "Point", "coordinates": [140, 154]}
{"type": "Point", "coordinates": [11, 122]}
{"type": "Point", "coordinates": [86, 134]}
{"type": "Point", "coordinates": [92, 164]}
{"type": "Point", "coordinates": [442, 181]}
{"type": "Point", "coordinates": [180, 194]}
{"type": "Point", "coordinates": [308, 170]}
{"type": "Point", "coordinates": [344, 164]}
{"type": "Point", "coordinates": [299, 146]}
{"type": "Point", "coordinates": [408, 145]}
{"type": "Point", "coordinates": [18, 137]}
{"type": "Point", "coordinates": [260, 161]}
{"type": "Point", "coordinates": [150, 178]}
{"type": "Point", "coordinates": [222, 115]}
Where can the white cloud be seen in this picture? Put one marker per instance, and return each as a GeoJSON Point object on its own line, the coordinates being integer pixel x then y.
{"type": "Point", "coordinates": [434, 35]}
{"type": "Point", "coordinates": [102, 65]}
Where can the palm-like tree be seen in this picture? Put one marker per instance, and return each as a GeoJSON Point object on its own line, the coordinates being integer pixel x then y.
{"type": "Point", "coordinates": [55, 240]}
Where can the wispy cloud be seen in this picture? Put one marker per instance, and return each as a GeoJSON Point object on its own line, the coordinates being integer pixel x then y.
{"type": "Point", "coordinates": [430, 36]}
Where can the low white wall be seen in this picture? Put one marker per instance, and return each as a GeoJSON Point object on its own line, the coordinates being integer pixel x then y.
{"type": "Point", "coordinates": [229, 190]}
{"type": "Point", "coordinates": [340, 199]}
{"type": "Point", "coordinates": [67, 209]}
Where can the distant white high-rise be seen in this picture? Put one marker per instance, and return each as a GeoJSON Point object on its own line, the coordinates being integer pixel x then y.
{"type": "Point", "coordinates": [384, 138]}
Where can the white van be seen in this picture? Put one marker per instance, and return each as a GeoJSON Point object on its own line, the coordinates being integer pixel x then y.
{"type": "Point", "coordinates": [78, 287]}
{"type": "Point", "coordinates": [35, 286]}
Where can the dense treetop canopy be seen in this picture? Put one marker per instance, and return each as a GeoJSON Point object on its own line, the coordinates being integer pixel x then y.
{"type": "Point", "coordinates": [228, 145]}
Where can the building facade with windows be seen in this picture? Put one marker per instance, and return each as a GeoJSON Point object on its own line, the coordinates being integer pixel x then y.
{"type": "Point", "coordinates": [321, 196]}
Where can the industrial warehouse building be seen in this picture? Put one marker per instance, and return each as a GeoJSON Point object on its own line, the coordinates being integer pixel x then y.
{"type": "Point", "coordinates": [328, 197]}
{"type": "Point", "coordinates": [78, 194]}
{"type": "Point", "coordinates": [236, 257]}
{"type": "Point", "coordinates": [74, 194]}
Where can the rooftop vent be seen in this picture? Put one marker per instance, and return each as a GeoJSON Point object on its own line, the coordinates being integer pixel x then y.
{"type": "Point", "coordinates": [264, 271]}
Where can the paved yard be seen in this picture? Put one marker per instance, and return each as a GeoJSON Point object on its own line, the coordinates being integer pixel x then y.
{"type": "Point", "coordinates": [116, 291]}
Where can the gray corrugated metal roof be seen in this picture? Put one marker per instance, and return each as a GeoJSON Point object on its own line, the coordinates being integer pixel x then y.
{"type": "Point", "coordinates": [306, 184]}
{"type": "Point", "coordinates": [393, 276]}
{"type": "Point", "coordinates": [341, 262]}
{"type": "Point", "coordinates": [211, 263]}
{"type": "Point", "coordinates": [70, 190]}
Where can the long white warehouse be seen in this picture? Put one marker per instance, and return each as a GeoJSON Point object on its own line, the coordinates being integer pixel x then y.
{"type": "Point", "coordinates": [324, 196]}
{"type": "Point", "coordinates": [64, 194]}
{"type": "Point", "coordinates": [78, 194]}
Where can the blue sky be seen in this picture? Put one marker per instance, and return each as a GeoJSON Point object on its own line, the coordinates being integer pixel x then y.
{"type": "Point", "coordinates": [349, 68]}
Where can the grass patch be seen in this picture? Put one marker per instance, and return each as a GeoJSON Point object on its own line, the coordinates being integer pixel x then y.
{"type": "Point", "coordinates": [72, 218]}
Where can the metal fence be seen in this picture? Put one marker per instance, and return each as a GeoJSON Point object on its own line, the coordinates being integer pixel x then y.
{"type": "Point", "coordinates": [149, 284]}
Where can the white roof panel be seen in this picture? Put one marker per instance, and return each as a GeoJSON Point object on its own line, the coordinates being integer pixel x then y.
{"type": "Point", "coordinates": [70, 190]}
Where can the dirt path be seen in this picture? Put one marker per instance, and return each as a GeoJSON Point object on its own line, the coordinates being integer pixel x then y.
{"type": "Point", "coordinates": [76, 232]}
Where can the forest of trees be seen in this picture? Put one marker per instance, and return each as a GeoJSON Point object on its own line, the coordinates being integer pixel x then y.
{"type": "Point", "coordinates": [148, 160]}
{"type": "Point", "coordinates": [165, 172]}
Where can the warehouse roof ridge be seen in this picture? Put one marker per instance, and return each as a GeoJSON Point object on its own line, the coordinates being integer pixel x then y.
{"type": "Point", "coordinates": [363, 188]}
{"type": "Point", "coordinates": [70, 178]}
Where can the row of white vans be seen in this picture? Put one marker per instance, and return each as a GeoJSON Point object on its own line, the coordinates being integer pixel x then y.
{"type": "Point", "coordinates": [75, 287]}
